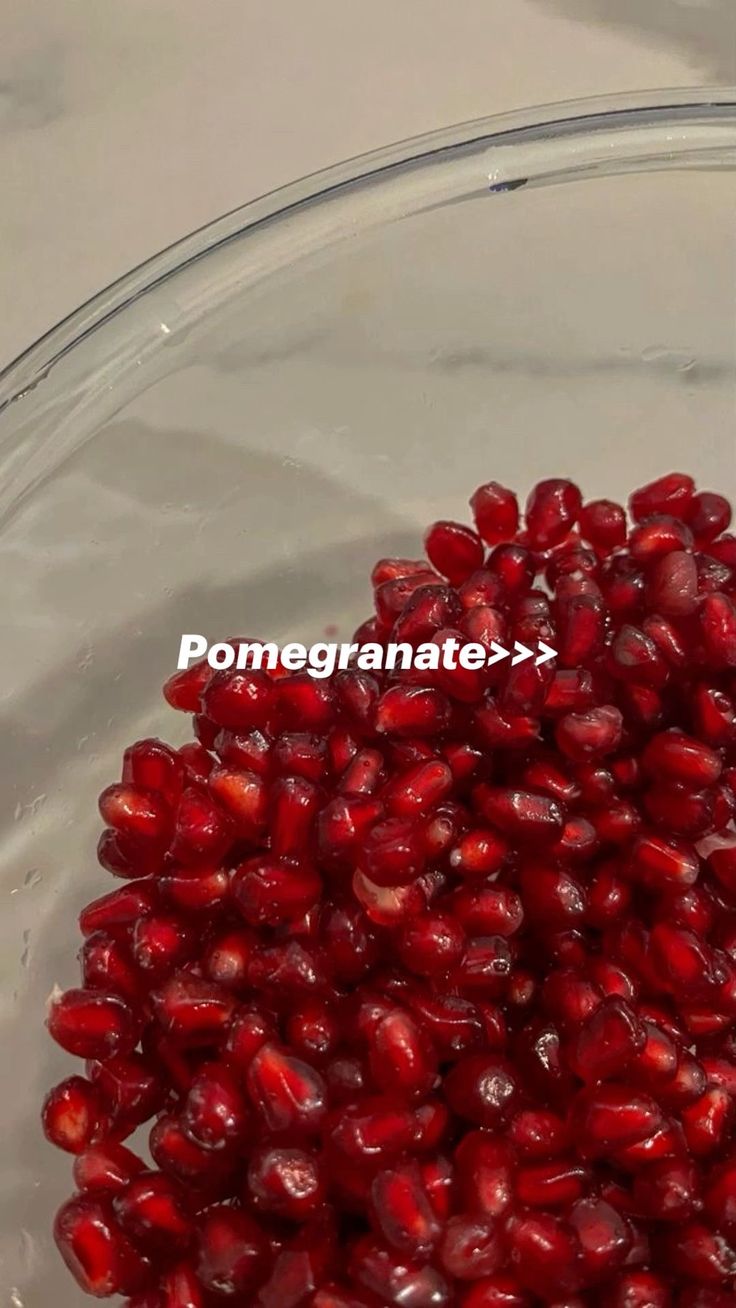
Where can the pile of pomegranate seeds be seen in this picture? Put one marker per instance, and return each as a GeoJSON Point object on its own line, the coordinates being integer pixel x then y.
{"type": "Point", "coordinates": [427, 980]}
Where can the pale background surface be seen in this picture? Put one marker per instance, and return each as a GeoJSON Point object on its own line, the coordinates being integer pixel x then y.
{"type": "Point", "coordinates": [124, 124]}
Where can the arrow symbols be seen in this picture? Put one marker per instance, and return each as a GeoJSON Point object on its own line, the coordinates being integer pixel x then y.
{"type": "Point", "coordinates": [546, 653]}
{"type": "Point", "coordinates": [523, 653]}
{"type": "Point", "coordinates": [498, 653]}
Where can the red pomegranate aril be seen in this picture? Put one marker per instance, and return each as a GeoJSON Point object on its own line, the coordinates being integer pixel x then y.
{"type": "Point", "coordinates": [286, 1182]}
{"type": "Point", "coordinates": [412, 711]}
{"type": "Point", "coordinates": [701, 1254]}
{"type": "Point", "coordinates": [708, 1121]}
{"type": "Point", "coordinates": [428, 611]}
{"type": "Point", "coordinates": [182, 1159]}
{"type": "Point", "coordinates": [271, 892]}
{"type": "Point", "coordinates": [388, 906]}
{"type": "Point", "coordinates": [708, 515]}
{"type": "Point", "coordinates": [604, 1237]}
{"type": "Point", "coordinates": [489, 910]}
{"type": "Point", "coordinates": [612, 1116]}
{"type": "Point", "coordinates": [402, 1210]}
{"type": "Point", "coordinates": [92, 1024]}
{"type": "Point", "coordinates": [364, 774]}
{"type": "Point", "coordinates": [391, 854]}
{"type": "Point", "coordinates": [603, 524]}
{"type": "Point", "coordinates": [153, 765]}
{"type": "Point", "coordinates": [662, 864]}
{"type": "Point", "coordinates": [495, 512]}
{"type": "Point", "coordinates": [97, 1252]}
{"type": "Point", "coordinates": [128, 857]}
{"type": "Point", "coordinates": [417, 790]}
{"type": "Point", "coordinates": [544, 1252]}
{"type": "Point", "coordinates": [130, 1087]}
{"type": "Point", "coordinates": [180, 1288]}
{"type": "Point", "coordinates": [638, 1290]}
{"type": "Point", "coordinates": [396, 1279]}
{"type": "Point", "coordinates": [215, 1115]}
{"type": "Point", "coordinates": [454, 550]}
{"type": "Point", "coordinates": [480, 853]}
{"type": "Point", "coordinates": [521, 814]}
{"type": "Point", "coordinates": [161, 944]}
{"type": "Point", "coordinates": [314, 1031]}
{"type": "Point", "coordinates": [193, 1011]}
{"type": "Point", "coordinates": [106, 1168]}
{"type": "Point", "coordinates": [669, 1190]}
{"type": "Point", "coordinates": [74, 1116]}
{"type": "Point", "coordinates": [672, 585]}
{"type": "Point", "coordinates": [589, 735]}
{"type": "Point", "coordinates": [239, 701]}
{"type": "Point", "coordinates": [288, 1094]}
{"type": "Point", "coordinates": [471, 1247]}
{"type": "Point", "coordinates": [680, 757]}
{"type": "Point", "coordinates": [431, 945]}
{"type": "Point", "coordinates": [342, 824]}
{"type": "Point", "coordinates": [658, 536]}
{"type": "Point", "coordinates": [608, 1041]}
{"type": "Point", "coordinates": [134, 812]}
{"type": "Point", "coordinates": [107, 964]}
{"type": "Point", "coordinates": [152, 1210]}
{"type": "Point", "coordinates": [482, 1088]}
{"type": "Point", "coordinates": [551, 1184]}
{"type": "Point", "coordinates": [672, 493]}
{"type": "Point", "coordinates": [304, 703]}
{"type": "Point", "coordinates": [183, 691]}
{"type": "Point", "coordinates": [717, 622]}
{"type": "Point", "coordinates": [402, 1060]}
{"type": "Point", "coordinates": [233, 1255]}
{"type": "Point", "coordinates": [551, 510]}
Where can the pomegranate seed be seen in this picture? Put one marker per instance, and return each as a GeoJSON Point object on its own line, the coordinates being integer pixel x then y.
{"type": "Point", "coordinates": [287, 1093]}
{"type": "Point", "coordinates": [551, 510]}
{"type": "Point", "coordinates": [544, 1252]}
{"type": "Point", "coordinates": [270, 892]}
{"type": "Point", "coordinates": [97, 1252]}
{"type": "Point", "coordinates": [287, 1182]}
{"type": "Point", "coordinates": [402, 1210]}
{"type": "Point", "coordinates": [401, 1056]}
{"type": "Point", "coordinates": [74, 1115]}
{"type": "Point", "coordinates": [214, 1115]}
{"type": "Point", "coordinates": [182, 1159]}
{"type": "Point", "coordinates": [134, 812]}
{"type": "Point", "coordinates": [603, 523]}
{"type": "Point", "coordinates": [412, 711]}
{"type": "Point", "coordinates": [471, 1247]}
{"type": "Point", "coordinates": [201, 830]}
{"type": "Point", "coordinates": [521, 814]}
{"type": "Point", "coordinates": [496, 512]}
{"type": "Point", "coordinates": [672, 493]}
{"type": "Point", "coordinates": [454, 550]}
{"type": "Point", "coordinates": [193, 1011]}
{"type": "Point", "coordinates": [196, 890]}
{"type": "Point", "coordinates": [431, 945]}
{"type": "Point", "coordinates": [106, 1168]}
{"type": "Point", "coordinates": [608, 1041]}
{"type": "Point", "coordinates": [152, 1210]}
{"type": "Point", "coordinates": [396, 1279]}
{"type": "Point", "coordinates": [233, 1253]}
{"type": "Point", "coordinates": [664, 864]}
{"type": "Point", "coordinates": [708, 515]}
{"type": "Point", "coordinates": [589, 735]}
{"type": "Point", "coordinates": [91, 1024]}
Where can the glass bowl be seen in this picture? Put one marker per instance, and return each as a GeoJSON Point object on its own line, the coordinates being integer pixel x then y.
{"type": "Point", "coordinates": [227, 438]}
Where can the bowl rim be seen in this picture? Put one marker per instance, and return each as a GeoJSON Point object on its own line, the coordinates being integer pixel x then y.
{"type": "Point", "coordinates": [632, 109]}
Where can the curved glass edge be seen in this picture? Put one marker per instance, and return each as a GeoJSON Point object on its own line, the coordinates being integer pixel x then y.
{"type": "Point", "coordinates": [565, 118]}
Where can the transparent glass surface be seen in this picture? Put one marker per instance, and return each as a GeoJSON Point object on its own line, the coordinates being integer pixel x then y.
{"type": "Point", "coordinates": [226, 440]}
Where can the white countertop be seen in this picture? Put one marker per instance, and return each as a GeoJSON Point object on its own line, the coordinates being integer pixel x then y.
{"type": "Point", "coordinates": [124, 124]}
